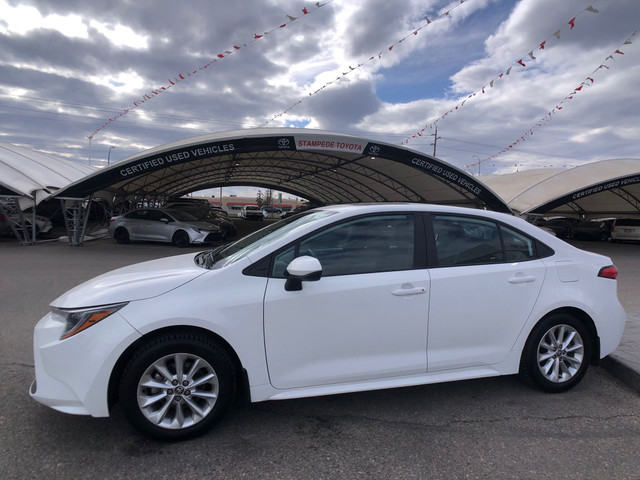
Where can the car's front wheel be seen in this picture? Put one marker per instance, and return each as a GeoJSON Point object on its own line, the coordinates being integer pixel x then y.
{"type": "Point", "coordinates": [177, 386]}
{"type": "Point", "coordinates": [181, 239]}
{"type": "Point", "coordinates": [557, 353]}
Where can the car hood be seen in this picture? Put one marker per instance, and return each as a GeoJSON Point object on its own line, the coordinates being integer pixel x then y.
{"type": "Point", "coordinates": [135, 282]}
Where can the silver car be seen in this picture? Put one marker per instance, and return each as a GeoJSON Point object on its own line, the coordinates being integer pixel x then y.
{"type": "Point", "coordinates": [162, 225]}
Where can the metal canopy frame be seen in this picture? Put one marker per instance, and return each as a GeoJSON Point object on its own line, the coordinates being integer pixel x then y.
{"type": "Point", "coordinates": [23, 229]}
{"type": "Point", "coordinates": [324, 167]}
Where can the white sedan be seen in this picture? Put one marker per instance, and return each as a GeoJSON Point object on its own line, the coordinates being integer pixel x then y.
{"type": "Point", "coordinates": [338, 299]}
{"type": "Point", "coordinates": [163, 225]}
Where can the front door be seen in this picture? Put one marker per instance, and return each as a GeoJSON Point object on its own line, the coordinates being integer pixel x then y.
{"type": "Point", "coordinates": [366, 318]}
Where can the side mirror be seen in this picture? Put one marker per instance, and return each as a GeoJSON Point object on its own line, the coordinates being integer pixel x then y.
{"type": "Point", "coordinates": [302, 269]}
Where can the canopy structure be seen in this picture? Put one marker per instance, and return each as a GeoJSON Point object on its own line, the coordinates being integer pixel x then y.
{"type": "Point", "coordinates": [324, 167]}
{"type": "Point", "coordinates": [598, 189]}
{"type": "Point", "coordinates": [26, 179]}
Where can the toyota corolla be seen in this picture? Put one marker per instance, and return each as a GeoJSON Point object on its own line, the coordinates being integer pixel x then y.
{"type": "Point", "coordinates": [338, 299]}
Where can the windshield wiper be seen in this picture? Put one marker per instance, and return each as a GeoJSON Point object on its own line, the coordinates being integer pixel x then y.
{"type": "Point", "coordinates": [208, 258]}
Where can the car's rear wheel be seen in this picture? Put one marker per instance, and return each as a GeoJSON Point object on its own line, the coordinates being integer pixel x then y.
{"type": "Point", "coordinates": [121, 235]}
{"type": "Point", "coordinates": [557, 353]}
{"type": "Point", "coordinates": [181, 239]}
{"type": "Point", "coordinates": [177, 386]}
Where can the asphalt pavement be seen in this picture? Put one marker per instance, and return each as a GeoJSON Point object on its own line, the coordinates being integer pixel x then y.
{"type": "Point", "coordinates": [489, 428]}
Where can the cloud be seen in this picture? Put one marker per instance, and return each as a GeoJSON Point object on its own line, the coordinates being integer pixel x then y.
{"type": "Point", "coordinates": [74, 65]}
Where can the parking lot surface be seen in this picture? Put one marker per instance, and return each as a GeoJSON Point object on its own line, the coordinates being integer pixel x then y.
{"type": "Point", "coordinates": [489, 428]}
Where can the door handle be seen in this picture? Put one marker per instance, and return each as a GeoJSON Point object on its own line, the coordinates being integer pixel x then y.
{"type": "Point", "coordinates": [522, 279]}
{"type": "Point", "coordinates": [408, 291]}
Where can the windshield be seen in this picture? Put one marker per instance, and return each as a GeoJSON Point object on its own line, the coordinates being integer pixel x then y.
{"type": "Point", "coordinates": [228, 254]}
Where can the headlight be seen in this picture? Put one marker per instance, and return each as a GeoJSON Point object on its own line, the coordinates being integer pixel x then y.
{"type": "Point", "coordinates": [77, 320]}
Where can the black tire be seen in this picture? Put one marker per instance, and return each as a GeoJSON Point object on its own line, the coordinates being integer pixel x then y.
{"type": "Point", "coordinates": [196, 396]}
{"type": "Point", "coordinates": [181, 239]}
{"type": "Point", "coordinates": [121, 235]}
{"type": "Point", "coordinates": [552, 366]}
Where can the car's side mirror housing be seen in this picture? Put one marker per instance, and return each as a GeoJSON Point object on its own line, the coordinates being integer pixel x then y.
{"type": "Point", "coordinates": [302, 269]}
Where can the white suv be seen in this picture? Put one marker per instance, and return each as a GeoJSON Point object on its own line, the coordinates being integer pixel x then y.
{"type": "Point", "coordinates": [625, 229]}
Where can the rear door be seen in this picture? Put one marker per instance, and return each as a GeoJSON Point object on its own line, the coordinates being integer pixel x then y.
{"type": "Point", "coordinates": [484, 284]}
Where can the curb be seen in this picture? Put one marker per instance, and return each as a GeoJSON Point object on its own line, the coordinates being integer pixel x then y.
{"type": "Point", "coordinates": [622, 371]}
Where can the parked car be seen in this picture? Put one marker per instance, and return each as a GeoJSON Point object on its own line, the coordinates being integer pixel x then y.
{"type": "Point", "coordinates": [204, 213]}
{"type": "Point", "coordinates": [592, 230]}
{"type": "Point", "coordinates": [251, 212]}
{"type": "Point", "coordinates": [562, 226]}
{"type": "Point", "coordinates": [294, 211]}
{"type": "Point", "coordinates": [218, 209]}
{"type": "Point", "coordinates": [338, 299]}
{"type": "Point", "coordinates": [625, 229]}
{"type": "Point", "coordinates": [270, 210]}
{"type": "Point", "coordinates": [162, 225]}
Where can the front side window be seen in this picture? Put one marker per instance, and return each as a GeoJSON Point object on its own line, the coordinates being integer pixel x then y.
{"type": "Point", "coordinates": [380, 243]}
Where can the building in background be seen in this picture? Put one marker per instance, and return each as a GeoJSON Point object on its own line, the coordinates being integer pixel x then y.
{"type": "Point", "coordinates": [233, 204]}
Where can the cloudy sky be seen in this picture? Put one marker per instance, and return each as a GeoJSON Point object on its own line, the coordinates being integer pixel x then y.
{"type": "Point", "coordinates": [509, 84]}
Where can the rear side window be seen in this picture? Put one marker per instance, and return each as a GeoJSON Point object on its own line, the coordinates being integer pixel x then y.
{"type": "Point", "coordinates": [473, 241]}
{"type": "Point", "coordinates": [517, 247]}
{"type": "Point", "coordinates": [466, 241]}
{"type": "Point", "coordinates": [628, 222]}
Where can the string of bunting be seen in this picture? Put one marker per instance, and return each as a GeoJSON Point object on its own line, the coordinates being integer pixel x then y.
{"type": "Point", "coordinates": [588, 82]}
{"type": "Point", "coordinates": [519, 64]}
{"type": "Point", "coordinates": [184, 76]}
{"type": "Point", "coordinates": [372, 58]}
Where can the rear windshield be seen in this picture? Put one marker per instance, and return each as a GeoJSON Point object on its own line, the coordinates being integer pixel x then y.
{"type": "Point", "coordinates": [628, 222]}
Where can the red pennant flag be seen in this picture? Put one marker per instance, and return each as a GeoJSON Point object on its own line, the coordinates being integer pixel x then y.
{"type": "Point", "coordinates": [521, 63]}
{"type": "Point", "coordinates": [305, 11]}
{"type": "Point", "coordinates": [619, 52]}
{"type": "Point", "coordinates": [572, 22]}
{"type": "Point", "coordinates": [542, 45]}
{"type": "Point", "coordinates": [256, 36]}
{"type": "Point", "coordinates": [578, 89]}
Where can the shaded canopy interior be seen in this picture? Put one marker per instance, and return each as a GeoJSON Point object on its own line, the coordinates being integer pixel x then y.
{"type": "Point", "coordinates": [324, 167]}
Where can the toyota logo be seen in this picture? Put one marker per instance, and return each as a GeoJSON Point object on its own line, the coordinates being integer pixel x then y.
{"type": "Point", "coordinates": [283, 143]}
{"type": "Point", "coordinates": [374, 150]}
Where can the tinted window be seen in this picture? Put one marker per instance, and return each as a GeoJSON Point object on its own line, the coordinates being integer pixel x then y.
{"type": "Point", "coordinates": [466, 241]}
{"type": "Point", "coordinates": [365, 245]}
{"type": "Point", "coordinates": [628, 222]}
{"type": "Point", "coordinates": [517, 247]}
{"type": "Point", "coordinates": [157, 215]}
{"type": "Point", "coordinates": [138, 215]}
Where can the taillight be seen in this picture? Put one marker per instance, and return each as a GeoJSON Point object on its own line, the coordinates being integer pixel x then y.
{"type": "Point", "coordinates": [608, 272]}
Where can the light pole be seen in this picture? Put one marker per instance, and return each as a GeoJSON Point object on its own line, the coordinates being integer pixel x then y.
{"type": "Point", "coordinates": [478, 158]}
{"type": "Point", "coordinates": [109, 154]}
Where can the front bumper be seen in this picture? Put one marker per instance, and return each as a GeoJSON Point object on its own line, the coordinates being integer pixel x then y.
{"type": "Point", "coordinates": [72, 375]}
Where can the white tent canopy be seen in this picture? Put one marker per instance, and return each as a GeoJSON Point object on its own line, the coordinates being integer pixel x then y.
{"type": "Point", "coordinates": [604, 188]}
{"type": "Point", "coordinates": [33, 175]}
